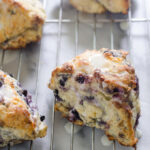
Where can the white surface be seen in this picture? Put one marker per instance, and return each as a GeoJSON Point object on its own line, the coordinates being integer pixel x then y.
{"type": "Point", "coordinates": [140, 57]}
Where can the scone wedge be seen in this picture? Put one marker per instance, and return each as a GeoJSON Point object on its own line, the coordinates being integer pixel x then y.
{"type": "Point", "coordinates": [19, 118]}
{"type": "Point", "coordinates": [100, 6]}
{"type": "Point", "coordinates": [21, 23]}
{"type": "Point", "coordinates": [88, 6]}
{"type": "Point", "coordinates": [99, 88]}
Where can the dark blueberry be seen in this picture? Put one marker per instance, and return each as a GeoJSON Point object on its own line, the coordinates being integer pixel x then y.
{"type": "Point", "coordinates": [64, 78]}
{"type": "Point", "coordinates": [121, 135]}
{"type": "Point", "coordinates": [1, 81]}
{"type": "Point", "coordinates": [130, 104]}
{"type": "Point", "coordinates": [11, 75]}
{"type": "Point", "coordinates": [56, 92]}
{"type": "Point", "coordinates": [115, 90]}
{"type": "Point", "coordinates": [118, 92]}
{"type": "Point", "coordinates": [137, 120]}
{"type": "Point", "coordinates": [62, 83]}
{"type": "Point", "coordinates": [74, 115]}
{"type": "Point", "coordinates": [80, 78]}
{"type": "Point", "coordinates": [5, 42]}
{"type": "Point", "coordinates": [137, 84]}
{"type": "Point", "coordinates": [25, 93]}
{"type": "Point", "coordinates": [81, 102]}
{"type": "Point", "coordinates": [42, 118]}
{"type": "Point", "coordinates": [12, 12]}
{"type": "Point", "coordinates": [89, 98]}
{"type": "Point", "coordinates": [1, 84]}
{"type": "Point", "coordinates": [104, 124]}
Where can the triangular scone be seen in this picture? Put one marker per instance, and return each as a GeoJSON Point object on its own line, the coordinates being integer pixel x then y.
{"type": "Point", "coordinates": [100, 6]}
{"type": "Point", "coordinates": [19, 119]}
{"type": "Point", "coordinates": [21, 22]}
{"type": "Point", "coordinates": [88, 6]}
{"type": "Point", "coordinates": [99, 88]}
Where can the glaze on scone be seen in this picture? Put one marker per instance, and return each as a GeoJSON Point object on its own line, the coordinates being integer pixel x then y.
{"type": "Point", "coordinates": [19, 118]}
{"type": "Point", "coordinates": [21, 23]}
{"type": "Point", "coordinates": [99, 88]}
{"type": "Point", "coordinates": [99, 6]}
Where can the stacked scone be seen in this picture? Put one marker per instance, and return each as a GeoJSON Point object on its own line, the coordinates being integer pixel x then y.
{"type": "Point", "coordinates": [100, 6]}
{"type": "Point", "coordinates": [21, 22]}
{"type": "Point", "coordinates": [19, 119]}
{"type": "Point", "coordinates": [99, 88]}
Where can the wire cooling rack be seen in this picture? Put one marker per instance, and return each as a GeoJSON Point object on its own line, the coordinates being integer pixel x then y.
{"type": "Point", "coordinates": [111, 20]}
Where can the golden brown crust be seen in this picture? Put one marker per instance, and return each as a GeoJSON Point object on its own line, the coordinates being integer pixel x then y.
{"type": "Point", "coordinates": [59, 107]}
{"type": "Point", "coordinates": [127, 81]}
{"type": "Point", "coordinates": [95, 81]}
{"type": "Point", "coordinates": [99, 6]}
{"type": "Point", "coordinates": [17, 117]}
{"type": "Point", "coordinates": [65, 111]}
{"type": "Point", "coordinates": [20, 23]}
{"type": "Point", "coordinates": [88, 6]}
{"type": "Point", "coordinates": [66, 68]}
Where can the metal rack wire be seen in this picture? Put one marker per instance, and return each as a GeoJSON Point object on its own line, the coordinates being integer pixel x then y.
{"type": "Point", "coordinates": [60, 21]}
{"type": "Point", "coordinates": [76, 21]}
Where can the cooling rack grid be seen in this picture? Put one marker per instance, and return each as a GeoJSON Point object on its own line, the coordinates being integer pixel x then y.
{"type": "Point", "coordinates": [104, 31]}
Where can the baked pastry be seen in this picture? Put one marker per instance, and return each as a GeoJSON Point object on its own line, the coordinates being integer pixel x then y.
{"type": "Point", "coordinates": [88, 6]}
{"type": "Point", "coordinates": [21, 22]}
{"type": "Point", "coordinates": [116, 6]}
{"type": "Point", "coordinates": [99, 6]}
{"type": "Point", "coordinates": [19, 119]}
{"type": "Point", "coordinates": [99, 88]}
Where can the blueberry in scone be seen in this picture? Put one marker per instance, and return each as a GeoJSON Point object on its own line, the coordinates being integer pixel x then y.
{"type": "Point", "coordinates": [21, 23]}
{"type": "Point", "coordinates": [99, 88]}
{"type": "Point", "coordinates": [100, 6]}
{"type": "Point", "coordinates": [19, 117]}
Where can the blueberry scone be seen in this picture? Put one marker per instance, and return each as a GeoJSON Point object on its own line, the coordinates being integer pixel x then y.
{"type": "Point", "coordinates": [19, 118]}
{"type": "Point", "coordinates": [99, 88]}
{"type": "Point", "coordinates": [21, 23]}
{"type": "Point", "coordinates": [88, 6]}
{"type": "Point", "coordinates": [99, 6]}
